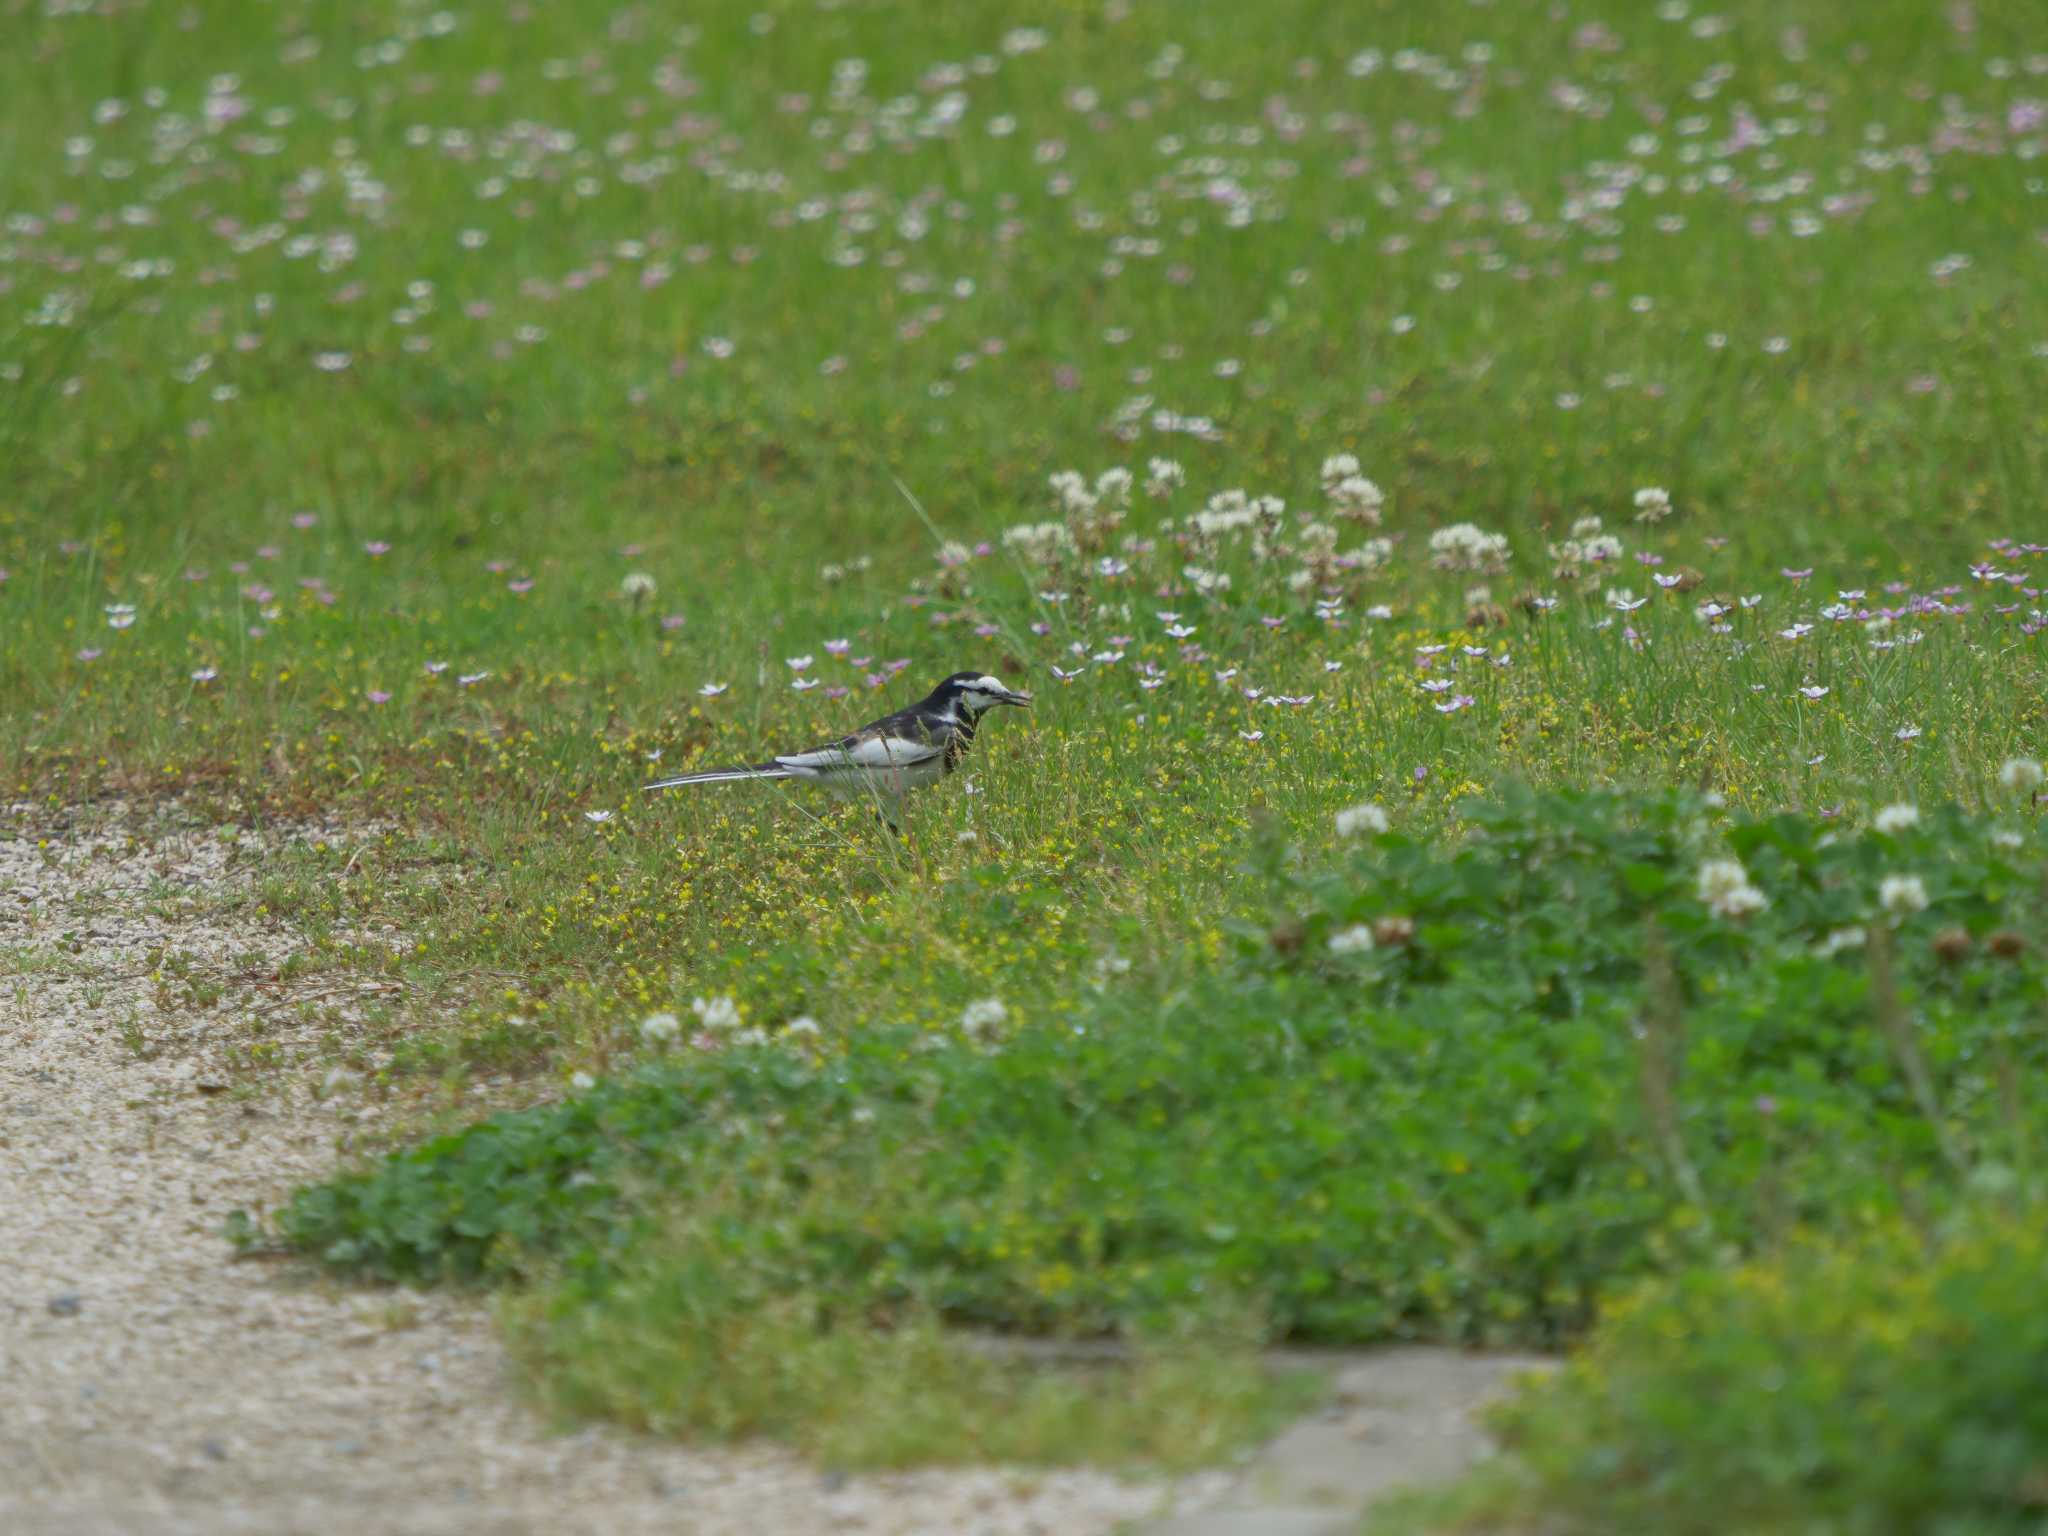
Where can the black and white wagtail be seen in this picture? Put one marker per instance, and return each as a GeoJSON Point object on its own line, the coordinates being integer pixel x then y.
{"type": "Point", "coordinates": [885, 759]}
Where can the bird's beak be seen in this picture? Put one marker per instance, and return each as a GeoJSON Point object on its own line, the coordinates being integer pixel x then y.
{"type": "Point", "coordinates": [1018, 697]}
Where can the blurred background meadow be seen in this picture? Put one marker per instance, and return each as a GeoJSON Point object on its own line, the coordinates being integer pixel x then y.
{"type": "Point", "coordinates": [439, 419]}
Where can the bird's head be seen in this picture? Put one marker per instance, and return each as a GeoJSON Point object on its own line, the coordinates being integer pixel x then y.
{"type": "Point", "coordinates": [974, 693]}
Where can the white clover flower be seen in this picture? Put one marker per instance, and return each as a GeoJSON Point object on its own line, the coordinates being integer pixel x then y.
{"type": "Point", "coordinates": [635, 585]}
{"type": "Point", "coordinates": [1653, 504]}
{"type": "Point", "coordinates": [1902, 895]}
{"type": "Point", "coordinates": [1355, 940]}
{"type": "Point", "coordinates": [1741, 901]}
{"type": "Point", "coordinates": [1724, 886]}
{"type": "Point", "coordinates": [716, 1012]}
{"type": "Point", "coordinates": [660, 1028]}
{"type": "Point", "coordinates": [1360, 819]}
{"type": "Point", "coordinates": [1896, 818]}
{"type": "Point", "coordinates": [1163, 477]}
{"type": "Point", "coordinates": [1337, 468]}
{"type": "Point", "coordinates": [1371, 555]}
{"type": "Point", "coordinates": [1040, 542]}
{"type": "Point", "coordinates": [1467, 547]}
{"type": "Point", "coordinates": [1317, 539]}
{"type": "Point", "coordinates": [1225, 512]}
{"type": "Point", "coordinates": [2021, 775]}
{"type": "Point", "coordinates": [1602, 548]}
{"type": "Point", "coordinates": [1354, 496]}
{"type": "Point", "coordinates": [1113, 488]}
{"type": "Point", "coordinates": [979, 1017]}
{"type": "Point", "coordinates": [1585, 546]}
{"type": "Point", "coordinates": [1070, 489]}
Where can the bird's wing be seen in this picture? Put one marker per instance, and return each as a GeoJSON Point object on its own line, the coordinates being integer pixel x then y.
{"type": "Point", "coordinates": [865, 749]}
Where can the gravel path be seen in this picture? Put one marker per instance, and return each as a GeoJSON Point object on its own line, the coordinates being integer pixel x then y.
{"type": "Point", "coordinates": [150, 1382]}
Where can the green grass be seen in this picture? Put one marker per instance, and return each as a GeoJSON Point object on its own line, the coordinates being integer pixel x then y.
{"type": "Point", "coordinates": [340, 343]}
{"type": "Point", "coordinates": [702, 1335]}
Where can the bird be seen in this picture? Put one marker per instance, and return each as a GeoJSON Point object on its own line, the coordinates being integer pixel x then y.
{"type": "Point", "coordinates": [886, 758]}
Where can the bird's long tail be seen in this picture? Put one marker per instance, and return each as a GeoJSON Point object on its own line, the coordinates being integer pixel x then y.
{"type": "Point", "coordinates": [722, 776]}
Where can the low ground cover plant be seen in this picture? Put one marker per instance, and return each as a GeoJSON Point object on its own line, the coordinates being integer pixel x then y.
{"type": "Point", "coordinates": [1454, 1091]}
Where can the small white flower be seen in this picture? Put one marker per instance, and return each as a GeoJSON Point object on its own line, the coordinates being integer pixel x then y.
{"type": "Point", "coordinates": [598, 817]}
{"type": "Point", "coordinates": [1724, 886]}
{"type": "Point", "coordinates": [1896, 818]}
{"type": "Point", "coordinates": [1839, 940]}
{"type": "Point", "coordinates": [2006, 838]}
{"type": "Point", "coordinates": [635, 585]}
{"type": "Point", "coordinates": [802, 1027]}
{"type": "Point", "coordinates": [713, 690]}
{"type": "Point", "coordinates": [2021, 774]}
{"type": "Point", "coordinates": [120, 615]}
{"type": "Point", "coordinates": [984, 1015]}
{"type": "Point", "coordinates": [1361, 818]}
{"type": "Point", "coordinates": [716, 1012]}
{"type": "Point", "coordinates": [205, 675]}
{"type": "Point", "coordinates": [660, 1028]}
{"type": "Point", "coordinates": [1466, 547]}
{"type": "Point", "coordinates": [582, 1082]}
{"type": "Point", "coordinates": [1355, 940]}
{"type": "Point", "coordinates": [1902, 894]}
{"type": "Point", "coordinates": [798, 663]}
{"type": "Point", "coordinates": [1163, 477]}
{"type": "Point", "coordinates": [1653, 504]}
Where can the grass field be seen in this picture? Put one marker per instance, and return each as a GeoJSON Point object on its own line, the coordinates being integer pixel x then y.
{"type": "Point", "coordinates": [443, 420]}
